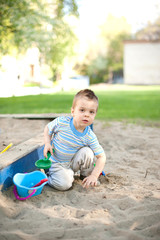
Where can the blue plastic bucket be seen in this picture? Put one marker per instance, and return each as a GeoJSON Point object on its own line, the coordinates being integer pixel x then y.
{"type": "Point", "coordinates": [25, 183]}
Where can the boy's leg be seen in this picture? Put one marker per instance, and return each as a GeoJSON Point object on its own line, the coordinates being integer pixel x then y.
{"type": "Point", "coordinates": [83, 160]}
{"type": "Point", "coordinates": [60, 177]}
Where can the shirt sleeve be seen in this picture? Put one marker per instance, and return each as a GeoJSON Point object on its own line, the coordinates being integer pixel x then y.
{"type": "Point", "coordinates": [52, 126]}
{"type": "Point", "coordinates": [95, 146]}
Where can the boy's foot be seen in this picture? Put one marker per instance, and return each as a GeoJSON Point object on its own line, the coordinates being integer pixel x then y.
{"type": "Point", "coordinates": [82, 177]}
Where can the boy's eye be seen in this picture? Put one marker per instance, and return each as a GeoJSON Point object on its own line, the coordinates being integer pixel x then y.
{"type": "Point", "coordinates": [82, 110]}
{"type": "Point", "coordinates": [92, 112]}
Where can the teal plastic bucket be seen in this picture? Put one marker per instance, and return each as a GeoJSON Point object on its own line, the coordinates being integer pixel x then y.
{"type": "Point", "coordinates": [25, 182]}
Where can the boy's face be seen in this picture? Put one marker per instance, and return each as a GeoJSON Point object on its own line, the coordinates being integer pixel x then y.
{"type": "Point", "coordinates": [84, 113]}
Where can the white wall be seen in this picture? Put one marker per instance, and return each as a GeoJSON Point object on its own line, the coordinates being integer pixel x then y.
{"type": "Point", "coordinates": [142, 62]}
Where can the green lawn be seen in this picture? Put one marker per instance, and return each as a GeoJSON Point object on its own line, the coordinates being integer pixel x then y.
{"type": "Point", "coordinates": [115, 103]}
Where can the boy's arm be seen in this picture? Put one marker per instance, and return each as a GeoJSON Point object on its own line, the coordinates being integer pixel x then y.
{"type": "Point", "coordinates": [92, 179]}
{"type": "Point", "coordinates": [47, 142]}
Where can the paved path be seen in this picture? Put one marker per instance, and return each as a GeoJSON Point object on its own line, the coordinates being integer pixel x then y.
{"type": "Point", "coordinates": [24, 91]}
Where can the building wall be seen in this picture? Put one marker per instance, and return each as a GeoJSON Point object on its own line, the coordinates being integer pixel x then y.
{"type": "Point", "coordinates": [142, 62]}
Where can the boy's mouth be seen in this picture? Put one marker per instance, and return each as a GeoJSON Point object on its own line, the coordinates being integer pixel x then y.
{"type": "Point", "coordinates": [85, 121]}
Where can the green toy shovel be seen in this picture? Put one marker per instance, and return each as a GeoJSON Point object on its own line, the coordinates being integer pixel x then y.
{"type": "Point", "coordinates": [44, 163]}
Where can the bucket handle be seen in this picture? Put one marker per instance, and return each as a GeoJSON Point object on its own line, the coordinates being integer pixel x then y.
{"type": "Point", "coordinates": [19, 198]}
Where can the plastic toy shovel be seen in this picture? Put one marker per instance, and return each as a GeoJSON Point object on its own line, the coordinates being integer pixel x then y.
{"type": "Point", "coordinates": [41, 182]}
{"type": "Point", "coordinates": [44, 163]}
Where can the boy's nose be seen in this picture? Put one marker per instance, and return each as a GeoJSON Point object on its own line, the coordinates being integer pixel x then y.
{"type": "Point", "coordinates": [86, 114]}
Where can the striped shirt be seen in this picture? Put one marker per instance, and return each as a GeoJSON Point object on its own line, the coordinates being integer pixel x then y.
{"type": "Point", "coordinates": [66, 140]}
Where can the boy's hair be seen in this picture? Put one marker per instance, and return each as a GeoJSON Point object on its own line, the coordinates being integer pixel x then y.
{"type": "Point", "coordinates": [85, 93]}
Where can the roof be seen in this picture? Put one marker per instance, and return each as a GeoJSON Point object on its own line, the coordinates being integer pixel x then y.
{"type": "Point", "coordinates": [140, 41]}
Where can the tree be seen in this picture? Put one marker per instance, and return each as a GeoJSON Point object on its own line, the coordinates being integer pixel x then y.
{"type": "Point", "coordinates": [115, 56]}
{"type": "Point", "coordinates": [113, 27]}
{"type": "Point", "coordinates": [38, 22]}
{"type": "Point", "coordinates": [109, 59]}
{"type": "Point", "coordinates": [150, 32]}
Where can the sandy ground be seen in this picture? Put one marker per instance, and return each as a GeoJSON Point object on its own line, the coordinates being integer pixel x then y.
{"type": "Point", "coordinates": [125, 206]}
{"type": "Point", "coordinates": [17, 131]}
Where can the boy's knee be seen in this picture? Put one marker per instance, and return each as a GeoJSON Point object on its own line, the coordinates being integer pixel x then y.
{"type": "Point", "coordinates": [88, 152]}
{"type": "Point", "coordinates": [62, 186]}
{"type": "Point", "coordinates": [61, 183]}
{"type": "Point", "coordinates": [83, 159]}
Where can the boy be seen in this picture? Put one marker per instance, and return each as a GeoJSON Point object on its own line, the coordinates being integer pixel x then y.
{"type": "Point", "coordinates": [75, 144]}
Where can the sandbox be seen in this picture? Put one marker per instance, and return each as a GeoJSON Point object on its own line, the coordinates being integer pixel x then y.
{"type": "Point", "coordinates": [21, 157]}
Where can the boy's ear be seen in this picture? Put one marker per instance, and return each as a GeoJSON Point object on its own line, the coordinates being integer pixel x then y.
{"type": "Point", "coordinates": [72, 111]}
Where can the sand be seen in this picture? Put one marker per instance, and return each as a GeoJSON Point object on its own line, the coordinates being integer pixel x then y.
{"type": "Point", "coordinates": [125, 206]}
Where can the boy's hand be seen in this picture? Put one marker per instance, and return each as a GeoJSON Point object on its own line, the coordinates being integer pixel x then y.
{"type": "Point", "coordinates": [91, 180]}
{"type": "Point", "coordinates": [47, 148]}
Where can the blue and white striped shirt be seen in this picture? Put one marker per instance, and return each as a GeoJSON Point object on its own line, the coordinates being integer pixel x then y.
{"type": "Point", "coordinates": [66, 140]}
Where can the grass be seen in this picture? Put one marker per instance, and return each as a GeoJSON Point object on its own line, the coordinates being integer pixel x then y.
{"type": "Point", "coordinates": [116, 103]}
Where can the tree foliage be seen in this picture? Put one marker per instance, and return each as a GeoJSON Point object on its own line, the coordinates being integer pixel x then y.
{"type": "Point", "coordinates": [38, 22]}
{"type": "Point", "coordinates": [150, 32]}
{"type": "Point", "coordinates": [114, 26]}
{"type": "Point", "coordinates": [115, 53]}
{"type": "Point", "coordinates": [108, 62]}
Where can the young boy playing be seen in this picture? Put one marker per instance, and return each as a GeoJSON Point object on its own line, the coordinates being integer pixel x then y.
{"type": "Point", "coordinates": [74, 144]}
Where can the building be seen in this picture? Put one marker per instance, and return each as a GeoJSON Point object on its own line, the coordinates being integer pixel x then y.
{"type": "Point", "coordinates": [142, 62]}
